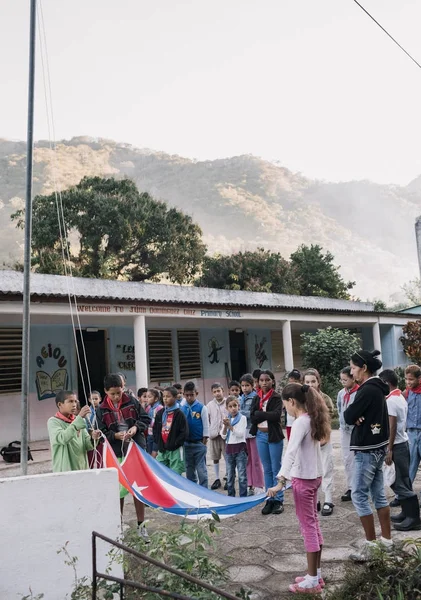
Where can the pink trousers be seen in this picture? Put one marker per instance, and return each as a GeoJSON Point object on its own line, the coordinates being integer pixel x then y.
{"type": "Point", "coordinates": [254, 466]}
{"type": "Point", "coordinates": [305, 499]}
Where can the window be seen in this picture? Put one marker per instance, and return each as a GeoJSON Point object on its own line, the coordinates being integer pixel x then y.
{"type": "Point", "coordinates": [188, 341]}
{"type": "Point", "coordinates": [161, 364]}
{"type": "Point", "coordinates": [10, 360]}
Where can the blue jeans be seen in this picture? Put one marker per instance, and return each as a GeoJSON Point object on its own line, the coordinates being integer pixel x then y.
{"type": "Point", "coordinates": [150, 445]}
{"type": "Point", "coordinates": [195, 456]}
{"type": "Point", "coordinates": [271, 458]}
{"type": "Point", "coordinates": [239, 460]}
{"type": "Point", "coordinates": [368, 480]}
{"type": "Point", "coordinates": [414, 436]}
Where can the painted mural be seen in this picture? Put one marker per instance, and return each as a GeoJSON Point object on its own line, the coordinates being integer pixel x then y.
{"type": "Point", "coordinates": [215, 348]}
{"type": "Point", "coordinates": [52, 375]}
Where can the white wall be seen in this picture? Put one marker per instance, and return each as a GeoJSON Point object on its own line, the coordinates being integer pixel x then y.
{"type": "Point", "coordinates": [39, 514]}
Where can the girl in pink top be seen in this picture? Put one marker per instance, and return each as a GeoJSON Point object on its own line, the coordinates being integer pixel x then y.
{"type": "Point", "coordinates": [302, 464]}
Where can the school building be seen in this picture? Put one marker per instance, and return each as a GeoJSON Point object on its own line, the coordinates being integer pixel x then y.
{"type": "Point", "coordinates": [160, 334]}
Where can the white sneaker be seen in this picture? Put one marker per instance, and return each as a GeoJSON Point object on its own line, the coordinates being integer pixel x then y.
{"type": "Point", "coordinates": [143, 533]}
{"type": "Point", "coordinates": [365, 553]}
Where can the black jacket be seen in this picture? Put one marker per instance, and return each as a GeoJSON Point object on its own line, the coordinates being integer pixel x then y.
{"type": "Point", "coordinates": [272, 415]}
{"type": "Point", "coordinates": [370, 403]}
{"type": "Point", "coordinates": [178, 433]}
{"type": "Point", "coordinates": [133, 414]}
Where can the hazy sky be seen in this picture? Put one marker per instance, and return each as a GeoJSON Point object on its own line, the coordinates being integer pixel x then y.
{"type": "Point", "coordinates": [314, 84]}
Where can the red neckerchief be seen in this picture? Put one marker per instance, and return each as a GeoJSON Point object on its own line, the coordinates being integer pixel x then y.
{"type": "Point", "coordinates": [394, 393]}
{"type": "Point", "coordinates": [348, 394]}
{"type": "Point", "coordinates": [416, 390]}
{"type": "Point", "coordinates": [70, 419]}
{"type": "Point", "coordinates": [264, 398]}
{"type": "Point", "coordinates": [62, 417]}
{"type": "Point", "coordinates": [114, 408]}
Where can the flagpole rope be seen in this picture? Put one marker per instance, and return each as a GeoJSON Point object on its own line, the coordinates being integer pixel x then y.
{"type": "Point", "coordinates": [64, 238]}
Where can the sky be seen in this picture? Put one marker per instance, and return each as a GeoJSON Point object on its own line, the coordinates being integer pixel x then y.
{"type": "Point", "coordinates": [314, 85]}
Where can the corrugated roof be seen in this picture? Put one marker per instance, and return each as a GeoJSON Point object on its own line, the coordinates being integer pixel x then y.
{"type": "Point", "coordinates": [56, 286]}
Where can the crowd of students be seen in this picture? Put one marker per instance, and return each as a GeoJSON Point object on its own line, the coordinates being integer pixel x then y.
{"type": "Point", "coordinates": [377, 425]}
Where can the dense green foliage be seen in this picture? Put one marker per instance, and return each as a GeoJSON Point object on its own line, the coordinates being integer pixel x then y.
{"type": "Point", "coordinates": [317, 275]}
{"type": "Point", "coordinates": [258, 271]}
{"type": "Point", "coordinates": [329, 350]}
{"type": "Point", "coordinates": [115, 232]}
{"type": "Point", "coordinates": [309, 272]}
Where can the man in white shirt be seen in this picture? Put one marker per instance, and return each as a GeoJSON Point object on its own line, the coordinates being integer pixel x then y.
{"type": "Point", "coordinates": [398, 452]}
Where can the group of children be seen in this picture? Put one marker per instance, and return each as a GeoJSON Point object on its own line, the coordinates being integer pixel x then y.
{"type": "Point", "coordinates": [377, 425]}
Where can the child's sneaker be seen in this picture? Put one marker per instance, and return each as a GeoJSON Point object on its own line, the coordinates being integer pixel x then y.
{"type": "Point", "coordinates": [143, 533]}
{"type": "Point", "coordinates": [321, 581]}
{"type": "Point", "coordinates": [365, 553]}
{"type": "Point", "coordinates": [295, 588]}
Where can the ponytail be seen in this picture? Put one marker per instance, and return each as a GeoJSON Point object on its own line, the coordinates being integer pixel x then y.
{"type": "Point", "coordinates": [313, 402]}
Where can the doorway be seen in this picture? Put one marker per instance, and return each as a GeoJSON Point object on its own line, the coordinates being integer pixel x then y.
{"type": "Point", "coordinates": [238, 354]}
{"type": "Point", "coordinates": [96, 359]}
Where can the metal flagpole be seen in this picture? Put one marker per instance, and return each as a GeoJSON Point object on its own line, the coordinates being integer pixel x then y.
{"type": "Point", "coordinates": [26, 323]}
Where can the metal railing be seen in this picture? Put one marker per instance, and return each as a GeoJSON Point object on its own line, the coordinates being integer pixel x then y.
{"type": "Point", "coordinates": [142, 586]}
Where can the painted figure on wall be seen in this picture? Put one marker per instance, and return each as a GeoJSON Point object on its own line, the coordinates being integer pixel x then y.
{"type": "Point", "coordinates": [260, 352]}
{"type": "Point", "coordinates": [214, 347]}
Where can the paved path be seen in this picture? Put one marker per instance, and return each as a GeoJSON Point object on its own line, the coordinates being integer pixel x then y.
{"type": "Point", "coordinates": [264, 553]}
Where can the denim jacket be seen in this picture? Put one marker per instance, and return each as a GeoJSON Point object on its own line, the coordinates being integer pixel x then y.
{"type": "Point", "coordinates": [414, 411]}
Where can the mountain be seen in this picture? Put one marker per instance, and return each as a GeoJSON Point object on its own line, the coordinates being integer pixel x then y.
{"type": "Point", "coordinates": [241, 203]}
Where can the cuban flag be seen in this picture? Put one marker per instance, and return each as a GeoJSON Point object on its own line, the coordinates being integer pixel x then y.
{"type": "Point", "coordinates": [157, 486]}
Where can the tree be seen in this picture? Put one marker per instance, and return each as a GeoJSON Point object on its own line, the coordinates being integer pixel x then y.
{"type": "Point", "coordinates": [329, 350]}
{"type": "Point", "coordinates": [317, 274]}
{"type": "Point", "coordinates": [118, 232]}
{"type": "Point", "coordinates": [259, 271]}
{"type": "Point", "coordinates": [412, 291]}
{"type": "Point", "coordinates": [308, 273]}
{"type": "Point", "coordinates": [411, 341]}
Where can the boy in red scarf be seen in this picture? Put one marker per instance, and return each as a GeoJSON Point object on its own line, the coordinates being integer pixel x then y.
{"type": "Point", "coordinates": [121, 419]}
{"type": "Point", "coordinates": [69, 439]}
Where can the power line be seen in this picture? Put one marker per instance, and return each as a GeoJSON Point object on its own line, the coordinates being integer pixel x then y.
{"type": "Point", "coordinates": [387, 33]}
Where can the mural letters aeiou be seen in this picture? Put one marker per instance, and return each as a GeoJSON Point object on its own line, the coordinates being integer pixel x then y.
{"type": "Point", "coordinates": [52, 375]}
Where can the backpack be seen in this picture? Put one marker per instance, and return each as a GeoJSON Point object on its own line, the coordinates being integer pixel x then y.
{"type": "Point", "coordinates": [11, 453]}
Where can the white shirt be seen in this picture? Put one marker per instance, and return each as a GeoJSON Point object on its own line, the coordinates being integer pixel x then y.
{"type": "Point", "coordinates": [263, 424]}
{"type": "Point", "coordinates": [238, 434]}
{"type": "Point", "coordinates": [397, 407]}
{"type": "Point", "coordinates": [303, 458]}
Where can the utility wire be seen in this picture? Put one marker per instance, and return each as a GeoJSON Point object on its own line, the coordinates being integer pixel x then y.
{"type": "Point", "coordinates": [387, 33]}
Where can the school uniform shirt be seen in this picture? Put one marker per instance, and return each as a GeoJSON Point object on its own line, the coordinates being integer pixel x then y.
{"type": "Point", "coordinates": [238, 434]}
{"type": "Point", "coordinates": [236, 439]}
{"type": "Point", "coordinates": [217, 412]}
{"type": "Point", "coordinates": [69, 444]}
{"type": "Point", "coordinates": [303, 457]}
{"type": "Point", "coordinates": [398, 407]}
{"type": "Point", "coordinates": [197, 421]}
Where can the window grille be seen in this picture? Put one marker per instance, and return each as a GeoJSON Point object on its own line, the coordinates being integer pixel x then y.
{"type": "Point", "coordinates": [10, 360]}
{"type": "Point", "coordinates": [161, 363]}
{"type": "Point", "coordinates": [188, 341]}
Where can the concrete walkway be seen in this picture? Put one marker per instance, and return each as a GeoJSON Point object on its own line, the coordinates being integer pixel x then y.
{"type": "Point", "coordinates": [264, 553]}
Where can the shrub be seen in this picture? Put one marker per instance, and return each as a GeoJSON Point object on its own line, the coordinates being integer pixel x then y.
{"type": "Point", "coordinates": [329, 350]}
{"type": "Point", "coordinates": [395, 576]}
